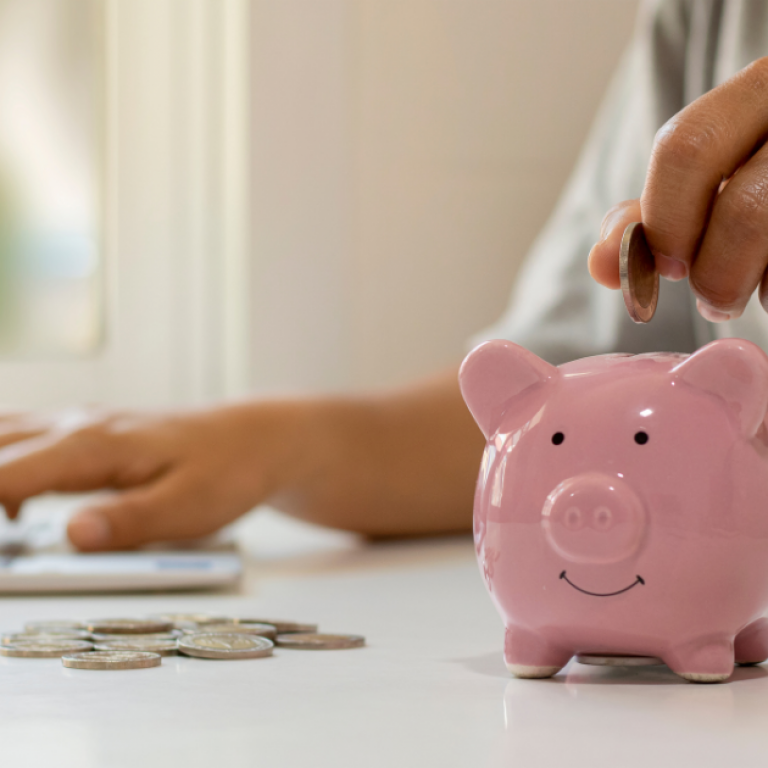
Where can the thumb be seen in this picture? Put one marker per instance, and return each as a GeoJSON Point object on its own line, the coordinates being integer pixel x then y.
{"type": "Point", "coordinates": [604, 256]}
{"type": "Point", "coordinates": [166, 509]}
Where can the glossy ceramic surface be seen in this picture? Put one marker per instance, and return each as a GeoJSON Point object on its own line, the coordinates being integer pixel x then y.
{"type": "Point", "coordinates": [621, 505]}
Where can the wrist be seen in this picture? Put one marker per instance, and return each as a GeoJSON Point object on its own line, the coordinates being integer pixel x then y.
{"type": "Point", "coordinates": [329, 440]}
{"type": "Point", "coordinates": [288, 445]}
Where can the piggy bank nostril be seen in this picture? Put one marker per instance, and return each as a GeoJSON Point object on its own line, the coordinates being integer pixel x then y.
{"type": "Point", "coordinates": [572, 518]}
{"type": "Point", "coordinates": [602, 519]}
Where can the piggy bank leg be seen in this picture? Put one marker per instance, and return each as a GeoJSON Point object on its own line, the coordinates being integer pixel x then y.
{"type": "Point", "coordinates": [751, 645]}
{"type": "Point", "coordinates": [707, 660]}
{"type": "Point", "coordinates": [530, 655]}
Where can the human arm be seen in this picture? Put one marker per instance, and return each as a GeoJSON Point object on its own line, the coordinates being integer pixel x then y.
{"type": "Point", "coordinates": [392, 464]}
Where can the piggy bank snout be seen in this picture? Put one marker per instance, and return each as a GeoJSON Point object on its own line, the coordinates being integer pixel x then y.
{"type": "Point", "coordinates": [594, 518]}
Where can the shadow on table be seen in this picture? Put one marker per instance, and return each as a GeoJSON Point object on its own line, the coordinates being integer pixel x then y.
{"type": "Point", "coordinates": [488, 664]}
{"type": "Point", "coordinates": [593, 716]}
{"type": "Point", "coordinates": [492, 665]}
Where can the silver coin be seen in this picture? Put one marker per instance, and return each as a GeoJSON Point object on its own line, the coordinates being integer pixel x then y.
{"type": "Point", "coordinates": [281, 626]}
{"type": "Point", "coordinates": [263, 630]}
{"type": "Point", "coordinates": [105, 637]}
{"type": "Point", "coordinates": [316, 642]}
{"type": "Point", "coordinates": [221, 646]}
{"type": "Point", "coordinates": [112, 660]}
{"type": "Point", "coordinates": [639, 278]}
{"type": "Point", "coordinates": [47, 650]}
{"type": "Point", "coordinates": [131, 643]}
{"type": "Point", "coordinates": [50, 625]}
{"type": "Point", "coordinates": [129, 626]}
{"type": "Point", "coordinates": [608, 660]}
{"type": "Point", "coordinates": [40, 637]}
{"type": "Point", "coordinates": [182, 620]}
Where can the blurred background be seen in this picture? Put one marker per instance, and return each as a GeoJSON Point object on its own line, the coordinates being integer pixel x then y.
{"type": "Point", "coordinates": [205, 198]}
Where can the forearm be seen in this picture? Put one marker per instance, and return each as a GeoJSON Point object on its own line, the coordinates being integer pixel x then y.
{"type": "Point", "coordinates": [399, 464]}
{"type": "Point", "coordinates": [394, 465]}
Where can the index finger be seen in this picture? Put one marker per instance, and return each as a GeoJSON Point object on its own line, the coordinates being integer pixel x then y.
{"type": "Point", "coordinates": [54, 462]}
{"type": "Point", "coordinates": [694, 152]}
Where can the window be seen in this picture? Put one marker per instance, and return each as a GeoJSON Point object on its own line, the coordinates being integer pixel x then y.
{"type": "Point", "coordinates": [124, 201]}
{"type": "Point", "coordinates": [51, 86]}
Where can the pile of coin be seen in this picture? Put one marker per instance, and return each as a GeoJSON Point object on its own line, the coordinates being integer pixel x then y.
{"type": "Point", "coordinates": [138, 643]}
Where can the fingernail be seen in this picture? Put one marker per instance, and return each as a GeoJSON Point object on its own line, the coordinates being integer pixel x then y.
{"type": "Point", "coordinates": [90, 530]}
{"type": "Point", "coordinates": [671, 269]}
{"type": "Point", "coordinates": [608, 223]}
{"type": "Point", "coordinates": [712, 314]}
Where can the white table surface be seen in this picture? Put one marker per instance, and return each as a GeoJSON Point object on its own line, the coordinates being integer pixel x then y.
{"type": "Point", "coordinates": [429, 690]}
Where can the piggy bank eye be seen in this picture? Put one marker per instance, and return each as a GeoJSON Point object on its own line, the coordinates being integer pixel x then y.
{"type": "Point", "coordinates": [558, 438]}
{"type": "Point", "coordinates": [641, 438]}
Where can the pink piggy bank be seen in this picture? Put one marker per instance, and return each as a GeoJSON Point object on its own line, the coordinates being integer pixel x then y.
{"type": "Point", "coordinates": [622, 505]}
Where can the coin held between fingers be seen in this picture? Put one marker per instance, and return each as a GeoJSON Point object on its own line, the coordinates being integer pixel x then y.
{"type": "Point", "coordinates": [637, 271]}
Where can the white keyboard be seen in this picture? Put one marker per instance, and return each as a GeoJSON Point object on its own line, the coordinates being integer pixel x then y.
{"type": "Point", "coordinates": [34, 557]}
{"type": "Point", "coordinates": [117, 572]}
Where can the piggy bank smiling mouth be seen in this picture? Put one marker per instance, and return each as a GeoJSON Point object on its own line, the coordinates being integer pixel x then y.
{"type": "Point", "coordinates": [638, 580]}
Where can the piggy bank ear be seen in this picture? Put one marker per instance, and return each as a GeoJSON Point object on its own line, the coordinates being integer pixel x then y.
{"type": "Point", "coordinates": [734, 370]}
{"type": "Point", "coordinates": [498, 375]}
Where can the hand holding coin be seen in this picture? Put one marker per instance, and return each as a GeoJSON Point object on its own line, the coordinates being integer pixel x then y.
{"type": "Point", "coordinates": [703, 204]}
